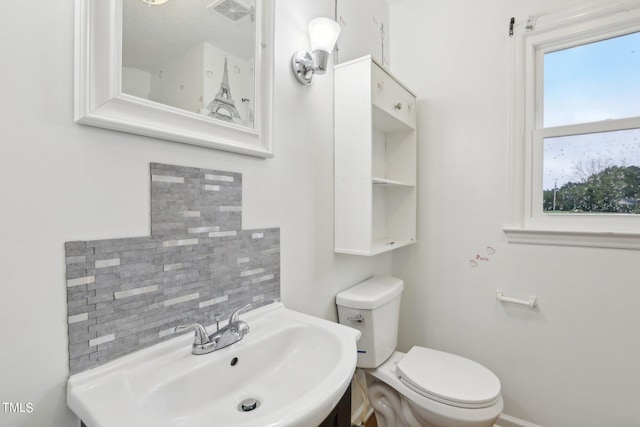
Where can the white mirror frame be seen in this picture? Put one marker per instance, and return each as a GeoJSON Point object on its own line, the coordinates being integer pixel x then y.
{"type": "Point", "coordinates": [99, 100]}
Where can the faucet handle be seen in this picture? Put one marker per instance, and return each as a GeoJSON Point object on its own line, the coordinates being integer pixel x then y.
{"type": "Point", "coordinates": [201, 336]}
{"type": "Point", "coordinates": [236, 314]}
{"type": "Point", "coordinates": [243, 328]}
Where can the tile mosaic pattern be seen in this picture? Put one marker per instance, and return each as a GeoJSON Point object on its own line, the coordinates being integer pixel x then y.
{"type": "Point", "coordinates": [127, 294]}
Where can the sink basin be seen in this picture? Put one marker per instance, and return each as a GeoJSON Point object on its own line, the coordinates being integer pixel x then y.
{"type": "Point", "coordinates": [292, 367]}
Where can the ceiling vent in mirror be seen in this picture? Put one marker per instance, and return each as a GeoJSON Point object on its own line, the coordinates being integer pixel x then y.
{"type": "Point", "coordinates": [233, 10]}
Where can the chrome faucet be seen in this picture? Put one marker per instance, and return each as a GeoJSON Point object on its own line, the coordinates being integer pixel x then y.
{"type": "Point", "coordinates": [204, 343]}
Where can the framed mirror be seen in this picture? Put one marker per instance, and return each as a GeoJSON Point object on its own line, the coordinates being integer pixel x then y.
{"type": "Point", "coordinates": [193, 71]}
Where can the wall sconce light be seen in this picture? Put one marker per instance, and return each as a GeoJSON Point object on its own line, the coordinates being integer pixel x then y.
{"type": "Point", "coordinates": [324, 33]}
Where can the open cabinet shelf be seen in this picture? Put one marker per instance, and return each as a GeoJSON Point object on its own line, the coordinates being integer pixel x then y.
{"type": "Point", "coordinates": [375, 160]}
{"type": "Point", "coordinates": [383, 182]}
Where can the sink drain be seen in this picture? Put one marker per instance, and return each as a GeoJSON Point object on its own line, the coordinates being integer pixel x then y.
{"type": "Point", "coordinates": [248, 405]}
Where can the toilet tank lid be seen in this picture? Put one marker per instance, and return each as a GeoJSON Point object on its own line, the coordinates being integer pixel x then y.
{"type": "Point", "coordinates": [371, 293]}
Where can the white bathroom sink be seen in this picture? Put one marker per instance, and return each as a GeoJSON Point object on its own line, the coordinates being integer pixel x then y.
{"type": "Point", "coordinates": [296, 366]}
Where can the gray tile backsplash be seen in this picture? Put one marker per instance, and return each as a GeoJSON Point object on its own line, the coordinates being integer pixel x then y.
{"type": "Point", "coordinates": [127, 294]}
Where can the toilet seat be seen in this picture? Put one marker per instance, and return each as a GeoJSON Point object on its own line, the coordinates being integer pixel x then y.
{"type": "Point", "coordinates": [448, 378]}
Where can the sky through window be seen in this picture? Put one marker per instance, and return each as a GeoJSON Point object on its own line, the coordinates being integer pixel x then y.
{"type": "Point", "coordinates": [591, 82]}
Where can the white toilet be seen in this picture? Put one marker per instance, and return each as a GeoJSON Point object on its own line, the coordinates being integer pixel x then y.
{"type": "Point", "coordinates": [420, 388]}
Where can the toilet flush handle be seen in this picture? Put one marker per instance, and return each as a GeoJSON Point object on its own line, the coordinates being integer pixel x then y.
{"type": "Point", "coordinates": [357, 318]}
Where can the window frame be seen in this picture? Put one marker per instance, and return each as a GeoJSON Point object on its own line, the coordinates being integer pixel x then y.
{"type": "Point", "coordinates": [526, 221]}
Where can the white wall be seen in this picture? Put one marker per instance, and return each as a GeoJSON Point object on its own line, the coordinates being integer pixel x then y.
{"type": "Point", "coordinates": [365, 30]}
{"type": "Point", "coordinates": [574, 360]}
{"type": "Point", "coordinates": [60, 181]}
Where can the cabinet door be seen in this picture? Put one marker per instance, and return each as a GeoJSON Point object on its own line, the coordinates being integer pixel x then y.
{"type": "Point", "coordinates": [391, 97]}
{"type": "Point", "coordinates": [341, 414]}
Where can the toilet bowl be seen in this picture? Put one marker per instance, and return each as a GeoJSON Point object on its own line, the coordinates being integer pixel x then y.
{"type": "Point", "coordinates": [398, 404]}
{"type": "Point", "coordinates": [420, 388]}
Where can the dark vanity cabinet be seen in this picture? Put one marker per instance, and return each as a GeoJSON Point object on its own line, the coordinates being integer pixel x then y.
{"type": "Point", "coordinates": [341, 414]}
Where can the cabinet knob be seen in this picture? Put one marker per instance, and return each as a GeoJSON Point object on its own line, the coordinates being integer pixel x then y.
{"type": "Point", "coordinates": [398, 106]}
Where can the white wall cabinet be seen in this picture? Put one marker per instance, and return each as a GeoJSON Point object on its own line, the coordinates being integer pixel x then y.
{"type": "Point", "coordinates": [375, 160]}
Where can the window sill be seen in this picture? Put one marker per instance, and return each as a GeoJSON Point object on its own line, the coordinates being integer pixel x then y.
{"type": "Point", "coordinates": [589, 239]}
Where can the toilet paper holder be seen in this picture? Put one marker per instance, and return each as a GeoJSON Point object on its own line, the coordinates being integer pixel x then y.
{"type": "Point", "coordinates": [531, 302]}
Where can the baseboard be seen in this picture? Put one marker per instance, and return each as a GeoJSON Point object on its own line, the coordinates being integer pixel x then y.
{"type": "Point", "coordinates": [505, 420]}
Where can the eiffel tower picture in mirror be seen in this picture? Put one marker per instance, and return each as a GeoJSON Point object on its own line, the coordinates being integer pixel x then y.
{"type": "Point", "coordinates": [223, 107]}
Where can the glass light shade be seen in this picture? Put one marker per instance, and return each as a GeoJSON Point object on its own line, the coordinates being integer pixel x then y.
{"type": "Point", "coordinates": [324, 33]}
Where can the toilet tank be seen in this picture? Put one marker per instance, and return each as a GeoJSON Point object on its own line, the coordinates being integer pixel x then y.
{"type": "Point", "coordinates": [372, 307]}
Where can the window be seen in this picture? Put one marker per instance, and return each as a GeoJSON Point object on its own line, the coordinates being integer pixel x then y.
{"type": "Point", "coordinates": [576, 139]}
